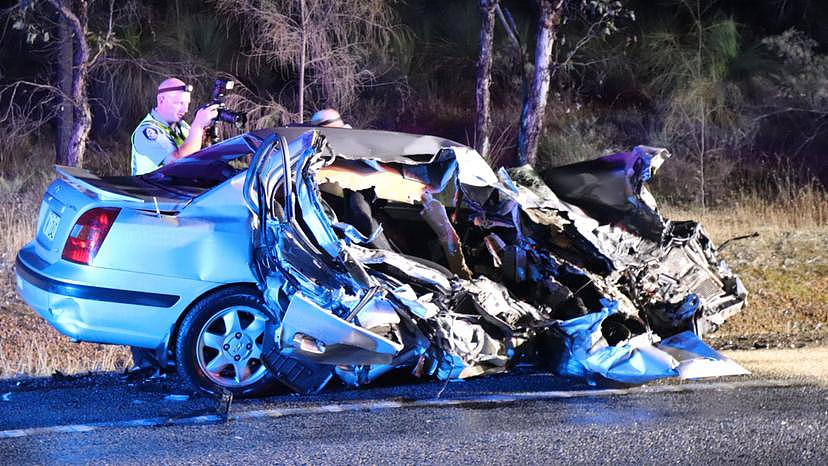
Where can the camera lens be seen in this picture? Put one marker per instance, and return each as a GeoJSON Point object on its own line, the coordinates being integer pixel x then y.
{"type": "Point", "coordinates": [237, 118]}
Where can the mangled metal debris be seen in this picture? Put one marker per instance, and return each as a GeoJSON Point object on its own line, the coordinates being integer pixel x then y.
{"type": "Point", "coordinates": [423, 258]}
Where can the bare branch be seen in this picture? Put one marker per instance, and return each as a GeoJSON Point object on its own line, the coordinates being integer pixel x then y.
{"type": "Point", "coordinates": [336, 36]}
{"type": "Point", "coordinates": [109, 39]}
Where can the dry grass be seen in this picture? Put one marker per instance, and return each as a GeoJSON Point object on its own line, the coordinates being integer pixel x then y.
{"type": "Point", "coordinates": [39, 350]}
{"type": "Point", "coordinates": [804, 209]}
{"type": "Point", "coordinates": [28, 345]}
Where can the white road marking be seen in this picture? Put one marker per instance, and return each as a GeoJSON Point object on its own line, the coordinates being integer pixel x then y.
{"type": "Point", "coordinates": [502, 398]}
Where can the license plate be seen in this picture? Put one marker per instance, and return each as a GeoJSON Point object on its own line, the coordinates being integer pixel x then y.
{"type": "Point", "coordinates": [50, 226]}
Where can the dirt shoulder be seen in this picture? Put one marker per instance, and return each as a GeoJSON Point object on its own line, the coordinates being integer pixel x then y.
{"type": "Point", "coordinates": [786, 274]}
{"type": "Point", "coordinates": [802, 364]}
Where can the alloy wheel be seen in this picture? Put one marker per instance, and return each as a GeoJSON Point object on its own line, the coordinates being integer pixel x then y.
{"type": "Point", "coordinates": [229, 347]}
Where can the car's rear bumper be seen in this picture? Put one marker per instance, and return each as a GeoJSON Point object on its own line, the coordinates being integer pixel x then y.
{"type": "Point", "coordinates": [104, 314]}
{"type": "Point", "coordinates": [94, 293]}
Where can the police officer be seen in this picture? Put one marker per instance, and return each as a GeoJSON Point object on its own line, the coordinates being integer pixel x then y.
{"type": "Point", "coordinates": [163, 136]}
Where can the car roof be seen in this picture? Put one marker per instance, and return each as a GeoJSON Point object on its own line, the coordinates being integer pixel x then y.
{"type": "Point", "coordinates": [209, 164]}
{"type": "Point", "coordinates": [383, 146]}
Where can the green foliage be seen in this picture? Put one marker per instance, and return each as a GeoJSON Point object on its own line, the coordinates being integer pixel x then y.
{"type": "Point", "coordinates": [324, 45]}
{"type": "Point", "coordinates": [803, 77]}
{"type": "Point", "coordinates": [204, 38]}
{"type": "Point", "coordinates": [576, 137]}
{"type": "Point", "coordinates": [440, 47]}
{"type": "Point", "coordinates": [25, 18]}
{"type": "Point", "coordinates": [696, 80]}
{"type": "Point", "coordinates": [696, 72]}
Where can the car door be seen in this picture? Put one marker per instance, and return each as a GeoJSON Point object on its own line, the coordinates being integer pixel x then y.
{"type": "Point", "coordinates": [292, 237]}
{"type": "Point", "coordinates": [304, 268]}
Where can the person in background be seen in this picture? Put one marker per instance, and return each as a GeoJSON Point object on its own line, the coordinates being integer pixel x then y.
{"type": "Point", "coordinates": [328, 118]}
{"type": "Point", "coordinates": [163, 136]}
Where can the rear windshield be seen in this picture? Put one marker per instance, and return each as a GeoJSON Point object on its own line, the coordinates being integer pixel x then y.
{"type": "Point", "coordinates": [207, 168]}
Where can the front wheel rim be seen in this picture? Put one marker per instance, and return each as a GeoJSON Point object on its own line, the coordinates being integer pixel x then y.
{"type": "Point", "coordinates": [229, 347]}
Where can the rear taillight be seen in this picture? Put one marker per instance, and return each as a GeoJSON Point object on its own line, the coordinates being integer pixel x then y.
{"type": "Point", "coordinates": [88, 234]}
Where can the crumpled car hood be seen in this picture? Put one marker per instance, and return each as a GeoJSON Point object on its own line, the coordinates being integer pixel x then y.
{"type": "Point", "coordinates": [443, 266]}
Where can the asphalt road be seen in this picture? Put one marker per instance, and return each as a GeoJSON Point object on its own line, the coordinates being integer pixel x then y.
{"type": "Point", "coordinates": [512, 419]}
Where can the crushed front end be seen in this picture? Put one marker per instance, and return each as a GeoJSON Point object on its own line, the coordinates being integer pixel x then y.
{"type": "Point", "coordinates": [380, 251]}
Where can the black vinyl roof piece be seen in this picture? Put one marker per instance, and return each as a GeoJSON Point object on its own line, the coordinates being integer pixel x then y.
{"type": "Point", "coordinates": [208, 167]}
{"type": "Point", "coordinates": [383, 146]}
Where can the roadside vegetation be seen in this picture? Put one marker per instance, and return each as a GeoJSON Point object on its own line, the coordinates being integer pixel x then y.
{"type": "Point", "coordinates": [736, 91]}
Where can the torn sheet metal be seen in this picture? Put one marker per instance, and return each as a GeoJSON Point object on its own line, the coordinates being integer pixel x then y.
{"type": "Point", "coordinates": [434, 214]}
{"type": "Point", "coordinates": [473, 170]}
{"type": "Point", "coordinates": [609, 189]}
{"type": "Point", "coordinates": [494, 300]}
{"type": "Point", "coordinates": [588, 355]}
{"type": "Point", "coordinates": [697, 359]}
{"type": "Point", "coordinates": [419, 306]}
{"type": "Point", "coordinates": [398, 265]}
{"type": "Point", "coordinates": [467, 346]}
{"type": "Point", "coordinates": [320, 336]}
{"type": "Point", "coordinates": [435, 263]}
{"type": "Point", "coordinates": [638, 358]}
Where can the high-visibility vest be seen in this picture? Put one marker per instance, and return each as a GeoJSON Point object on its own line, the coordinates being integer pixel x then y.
{"type": "Point", "coordinates": [143, 163]}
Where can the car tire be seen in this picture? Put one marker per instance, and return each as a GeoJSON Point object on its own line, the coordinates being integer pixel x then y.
{"type": "Point", "coordinates": [219, 343]}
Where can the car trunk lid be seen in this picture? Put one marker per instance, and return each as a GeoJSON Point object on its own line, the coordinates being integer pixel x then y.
{"type": "Point", "coordinates": [123, 189]}
{"type": "Point", "coordinates": [77, 190]}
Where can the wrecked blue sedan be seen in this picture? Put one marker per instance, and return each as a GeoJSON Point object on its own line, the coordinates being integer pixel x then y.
{"type": "Point", "coordinates": [297, 255]}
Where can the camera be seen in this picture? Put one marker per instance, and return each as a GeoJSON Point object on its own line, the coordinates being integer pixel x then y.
{"type": "Point", "coordinates": [239, 119]}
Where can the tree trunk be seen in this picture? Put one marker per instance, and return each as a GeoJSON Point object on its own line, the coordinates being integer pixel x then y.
{"type": "Point", "coordinates": [484, 76]}
{"type": "Point", "coordinates": [64, 80]}
{"type": "Point", "coordinates": [302, 60]}
{"type": "Point", "coordinates": [531, 120]}
{"type": "Point", "coordinates": [80, 69]}
{"type": "Point", "coordinates": [80, 73]}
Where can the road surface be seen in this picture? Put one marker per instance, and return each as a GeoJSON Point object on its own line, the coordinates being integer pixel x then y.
{"type": "Point", "coordinates": [509, 419]}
